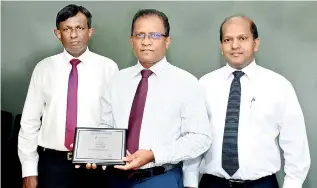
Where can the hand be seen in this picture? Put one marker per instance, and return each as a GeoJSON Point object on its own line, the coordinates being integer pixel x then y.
{"type": "Point", "coordinates": [88, 166]}
{"type": "Point", "coordinates": [136, 160]}
{"type": "Point", "coordinates": [93, 165]}
{"type": "Point", "coordinates": [30, 182]}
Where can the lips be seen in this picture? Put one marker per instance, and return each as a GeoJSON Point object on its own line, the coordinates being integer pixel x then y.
{"type": "Point", "coordinates": [74, 42]}
{"type": "Point", "coordinates": [146, 50]}
{"type": "Point", "coordinates": [236, 54]}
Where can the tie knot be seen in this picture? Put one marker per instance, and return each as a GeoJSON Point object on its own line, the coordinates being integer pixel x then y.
{"type": "Point", "coordinates": [146, 73]}
{"type": "Point", "coordinates": [74, 62]}
{"type": "Point", "coordinates": [238, 74]}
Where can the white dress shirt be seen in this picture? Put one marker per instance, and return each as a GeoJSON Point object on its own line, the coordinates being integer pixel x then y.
{"type": "Point", "coordinates": [269, 113]}
{"type": "Point", "coordinates": [175, 123]}
{"type": "Point", "coordinates": [47, 97]}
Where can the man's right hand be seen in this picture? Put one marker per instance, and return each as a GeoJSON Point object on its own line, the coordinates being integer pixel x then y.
{"type": "Point", "coordinates": [30, 182]}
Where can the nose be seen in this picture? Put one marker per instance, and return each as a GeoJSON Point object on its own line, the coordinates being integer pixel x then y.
{"type": "Point", "coordinates": [235, 44]}
{"type": "Point", "coordinates": [73, 33]}
{"type": "Point", "coordinates": [146, 41]}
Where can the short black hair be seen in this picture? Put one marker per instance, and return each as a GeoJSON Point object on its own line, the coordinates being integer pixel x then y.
{"type": "Point", "coordinates": [151, 12]}
{"type": "Point", "coordinates": [70, 11]}
{"type": "Point", "coordinates": [253, 27]}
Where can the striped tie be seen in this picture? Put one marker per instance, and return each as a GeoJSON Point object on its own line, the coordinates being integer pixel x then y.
{"type": "Point", "coordinates": [230, 161]}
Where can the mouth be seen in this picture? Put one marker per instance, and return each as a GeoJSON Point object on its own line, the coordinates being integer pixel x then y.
{"type": "Point", "coordinates": [74, 42]}
{"type": "Point", "coordinates": [236, 54]}
{"type": "Point", "coordinates": [146, 50]}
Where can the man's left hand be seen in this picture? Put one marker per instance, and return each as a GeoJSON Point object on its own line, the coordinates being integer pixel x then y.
{"type": "Point", "coordinates": [136, 160]}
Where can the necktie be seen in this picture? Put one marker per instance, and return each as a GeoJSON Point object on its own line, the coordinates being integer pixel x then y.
{"type": "Point", "coordinates": [136, 113]}
{"type": "Point", "coordinates": [230, 161]}
{"type": "Point", "coordinates": [71, 111]}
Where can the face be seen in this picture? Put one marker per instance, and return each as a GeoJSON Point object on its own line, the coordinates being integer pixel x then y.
{"type": "Point", "coordinates": [74, 34]}
{"type": "Point", "coordinates": [237, 45]}
{"type": "Point", "coordinates": [149, 50]}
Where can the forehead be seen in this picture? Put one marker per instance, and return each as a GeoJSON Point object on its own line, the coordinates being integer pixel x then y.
{"type": "Point", "coordinates": [78, 19]}
{"type": "Point", "coordinates": [236, 26]}
{"type": "Point", "coordinates": [151, 23]}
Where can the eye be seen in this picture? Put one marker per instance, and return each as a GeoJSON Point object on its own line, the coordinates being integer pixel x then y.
{"type": "Point", "coordinates": [139, 35]}
{"type": "Point", "coordinates": [243, 38]}
{"type": "Point", "coordinates": [66, 29]}
{"type": "Point", "coordinates": [156, 35]}
{"type": "Point", "coordinates": [226, 40]}
{"type": "Point", "coordinates": [80, 28]}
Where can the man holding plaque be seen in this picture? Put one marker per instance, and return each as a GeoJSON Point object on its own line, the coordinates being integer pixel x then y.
{"type": "Point", "coordinates": [161, 105]}
{"type": "Point", "coordinates": [65, 91]}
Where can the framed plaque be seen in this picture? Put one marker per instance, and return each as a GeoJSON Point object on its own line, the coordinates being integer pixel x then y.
{"type": "Point", "coordinates": [102, 146]}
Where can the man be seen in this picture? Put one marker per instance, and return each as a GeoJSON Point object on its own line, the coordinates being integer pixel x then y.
{"type": "Point", "coordinates": [161, 105]}
{"type": "Point", "coordinates": [65, 91]}
{"type": "Point", "coordinates": [261, 111]}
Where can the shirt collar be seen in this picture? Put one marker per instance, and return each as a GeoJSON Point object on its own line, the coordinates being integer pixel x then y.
{"type": "Point", "coordinates": [157, 68]}
{"type": "Point", "coordinates": [83, 58]}
{"type": "Point", "coordinates": [249, 70]}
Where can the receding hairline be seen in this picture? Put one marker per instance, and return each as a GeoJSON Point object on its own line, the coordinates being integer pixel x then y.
{"type": "Point", "coordinates": [237, 17]}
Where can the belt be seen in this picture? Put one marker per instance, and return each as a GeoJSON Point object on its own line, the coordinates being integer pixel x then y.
{"type": "Point", "coordinates": [67, 155]}
{"type": "Point", "coordinates": [139, 174]}
{"type": "Point", "coordinates": [236, 182]}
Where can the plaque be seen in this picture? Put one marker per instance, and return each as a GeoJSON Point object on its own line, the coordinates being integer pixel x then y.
{"type": "Point", "coordinates": [102, 146]}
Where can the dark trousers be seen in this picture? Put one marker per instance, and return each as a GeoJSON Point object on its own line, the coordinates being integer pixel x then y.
{"type": "Point", "coordinates": [56, 171]}
{"type": "Point", "coordinates": [172, 178]}
{"type": "Point", "coordinates": [210, 181]}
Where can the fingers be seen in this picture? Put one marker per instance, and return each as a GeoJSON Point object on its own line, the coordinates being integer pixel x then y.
{"type": "Point", "coordinates": [94, 166]}
{"type": "Point", "coordinates": [134, 164]}
{"type": "Point", "coordinates": [88, 166]}
{"type": "Point", "coordinates": [128, 153]}
{"type": "Point", "coordinates": [129, 158]}
{"type": "Point", "coordinates": [128, 166]}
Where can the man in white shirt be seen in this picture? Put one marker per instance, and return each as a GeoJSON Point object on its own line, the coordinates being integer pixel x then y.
{"type": "Point", "coordinates": [161, 105]}
{"type": "Point", "coordinates": [253, 111]}
{"type": "Point", "coordinates": [66, 91]}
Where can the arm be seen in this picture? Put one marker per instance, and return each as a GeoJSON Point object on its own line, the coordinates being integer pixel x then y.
{"type": "Point", "coordinates": [293, 140]}
{"type": "Point", "coordinates": [106, 108]}
{"type": "Point", "coordinates": [30, 126]}
{"type": "Point", "coordinates": [195, 131]}
{"type": "Point", "coordinates": [191, 171]}
{"type": "Point", "coordinates": [191, 168]}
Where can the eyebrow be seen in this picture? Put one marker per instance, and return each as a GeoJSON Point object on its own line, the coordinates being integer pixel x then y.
{"type": "Point", "coordinates": [241, 35]}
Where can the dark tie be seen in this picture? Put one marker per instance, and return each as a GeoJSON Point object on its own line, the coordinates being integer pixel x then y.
{"type": "Point", "coordinates": [230, 160]}
{"type": "Point", "coordinates": [136, 113]}
{"type": "Point", "coordinates": [71, 111]}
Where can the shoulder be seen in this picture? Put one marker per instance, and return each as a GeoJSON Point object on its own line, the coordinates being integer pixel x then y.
{"type": "Point", "coordinates": [103, 61]}
{"type": "Point", "coordinates": [212, 76]}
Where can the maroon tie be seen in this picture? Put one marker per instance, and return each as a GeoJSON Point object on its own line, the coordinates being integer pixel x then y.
{"type": "Point", "coordinates": [136, 113]}
{"type": "Point", "coordinates": [71, 111]}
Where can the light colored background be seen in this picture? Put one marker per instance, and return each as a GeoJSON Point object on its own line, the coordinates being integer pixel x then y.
{"type": "Point", "coordinates": [288, 33]}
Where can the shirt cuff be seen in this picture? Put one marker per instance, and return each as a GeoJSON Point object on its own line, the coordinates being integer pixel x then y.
{"type": "Point", "coordinates": [292, 183]}
{"type": "Point", "coordinates": [191, 179]}
{"type": "Point", "coordinates": [29, 169]}
{"type": "Point", "coordinates": [159, 157]}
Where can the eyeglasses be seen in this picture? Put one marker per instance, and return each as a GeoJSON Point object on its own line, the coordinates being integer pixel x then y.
{"type": "Point", "coordinates": [154, 35]}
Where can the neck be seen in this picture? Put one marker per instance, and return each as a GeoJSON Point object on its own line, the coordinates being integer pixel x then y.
{"type": "Point", "coordinates": [148, 65]}
{"type": "Point", "coordinates": [240, 66]}
{"type": "Point", "coordinates": [77, 54]}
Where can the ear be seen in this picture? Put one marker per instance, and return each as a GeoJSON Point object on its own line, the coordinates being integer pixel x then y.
{"type": "Point", "coordinates": [58, 34]}
{"type": "Point", "coordinates": [168, 42]}
{"type": "Point", "coordinates": [91, 32]}
{"type": "Point", "coordinates": [221, 48]}
{"type": "Point", "coordinates": [131, 40]}
{"type": "Point", "coordinates": [256, 45]}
